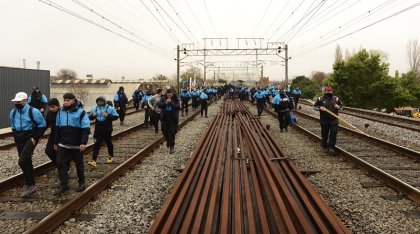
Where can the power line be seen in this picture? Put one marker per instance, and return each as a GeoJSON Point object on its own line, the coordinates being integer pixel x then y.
{"type": "Point", "coordinates": [211, 20]}
{"type": "Point", "coordinates": [160, 23]}
{"type": "Point", "coordinates": [349, 23]}
{"type": "Point", "coordinates": [277, 17]}
{"type": "Point", "coordinates": [183, 21]}
{"type": "Point", "coordinates": [308, 11]}
{"type": "Point", "coordinates": [173, 21]}
{"type": "Point", "coordinates": [326, 14]}
{"type": "Point", "coordinates": [300, 4]}
{"type": "Point", "coordinates": [262, 18]}
{"type": "Point", "coordinates": [115, 24]}
{"type": "Point", "coordinates": [360, 29]}
{"type": "Point", "coordinates": [63, 9]}
{"type": "Point", "coordinates": [195, 17]}
{"type": "Point", "coordinates": [163, 19]}
{"type": "Point", "coordinates": [302, 26]}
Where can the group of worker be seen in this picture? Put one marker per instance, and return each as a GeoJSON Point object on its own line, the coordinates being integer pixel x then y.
{"type": "Point", "coordinates": [328, 105]}
{"type": "Point", "coordinates": [70, 129]}
{"type": "Point", "coordinates": [70, 125]}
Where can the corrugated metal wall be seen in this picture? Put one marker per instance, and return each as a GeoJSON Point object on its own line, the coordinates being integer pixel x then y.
{"type": "Point", "coordinates": [13, 80]}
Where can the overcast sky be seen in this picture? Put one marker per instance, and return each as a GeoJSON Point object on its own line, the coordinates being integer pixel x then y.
{"type": "Point", "coordinates": [138, 43]}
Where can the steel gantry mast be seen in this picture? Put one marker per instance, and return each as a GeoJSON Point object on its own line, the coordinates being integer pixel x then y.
{"type": "Point", "coordinates": [189, 51]}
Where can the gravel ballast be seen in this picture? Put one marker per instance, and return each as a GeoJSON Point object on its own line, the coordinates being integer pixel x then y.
{"type": "Point", "coordinates": [9, 158]}
{"type": "Point", "coordinates": [132, 209]}
{"type": "Point", "coordinates": [363, 210]}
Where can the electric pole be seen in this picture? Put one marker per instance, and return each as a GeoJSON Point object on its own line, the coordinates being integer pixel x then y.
{"type": "Point", "coordinates": [177, 70]}
{"type": "Point", "coordinates": [287, 65]}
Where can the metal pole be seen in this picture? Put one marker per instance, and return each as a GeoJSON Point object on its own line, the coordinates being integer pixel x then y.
{"type": "Point", "coordinates": [262, 71]}
{"type": "Point", "coordinates": [287, 64]}
{"type": "Point", "coordinates": [177, 70]}
{"type": "Point", "coordinates": [204, 66]}
{"type": "Point", "coordinates": [24, 63]}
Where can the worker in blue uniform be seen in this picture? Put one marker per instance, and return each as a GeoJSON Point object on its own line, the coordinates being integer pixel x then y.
{"type": "Point", "coordinates": [70, 140]}
{"type": "Point", "coordinates": [185, 98]}
{"type": "Point", "coordinates": [282, 105]}
{"type": "Point", "coordinates": [28, 126]}
{"type": "Point", "coordinates": [204, 103]}
{"type": "Point", "coordinates": [260, 97]}
{"type": "Point", "coordinates": [296, 93]}
{"type": "Point", "coordinates": [103, 115]}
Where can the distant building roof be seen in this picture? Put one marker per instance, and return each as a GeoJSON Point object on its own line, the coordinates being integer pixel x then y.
{"type": "Point", "coordinates": [84, 81]}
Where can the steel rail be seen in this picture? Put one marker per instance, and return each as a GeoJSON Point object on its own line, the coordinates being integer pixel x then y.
{"type": "Point", "coordinates": [59, 216]}
{"type": "Point", "coordinates": [393, 182]}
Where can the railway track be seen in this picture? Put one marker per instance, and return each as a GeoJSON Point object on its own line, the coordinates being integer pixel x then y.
{"type": "Point", "coordinates": [8, 142]}
{"type": "Point", "coordinates": [396, 166]}
{"type": "Point", "coordinates": [239, 181]}
{"type": "Point", "coordinates": [131, 146]}
{"type": "Point", "coordinates": [398, 121]}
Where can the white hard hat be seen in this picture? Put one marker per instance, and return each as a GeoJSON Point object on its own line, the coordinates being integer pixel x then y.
{"type": "Point", "coordinates": [20, 96]}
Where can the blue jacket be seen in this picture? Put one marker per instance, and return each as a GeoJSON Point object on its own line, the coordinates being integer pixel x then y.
{"type": "Point", "coordinates": [204, 96]}
{"type": "Point", "coordinates": [103, 121]}
{"type": "Point", "coordinates": [169, 111]}
{"type": "Point", "coordinates": [39, 102]}
{"type": "Point", "coordinates": [185, 95]}
{"type": "Point", "coordinates": [195, 94]}
{"type": "Point", "coordinates": [72, 127]}
{"type": "Point", "coordinates": [120, 99]}
{"type": "Point", "coordinates": [296, 92]}
{"type": "Point", "coordinates": [259, 95]}
{"type": "Point", "coordinates": [281, 103]}
{"type": "Point", "coordinates": [22, 126]}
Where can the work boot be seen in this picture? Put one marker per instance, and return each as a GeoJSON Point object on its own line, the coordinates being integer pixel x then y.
{"type": "Point", "coordinates": [92, 163]}
{"type": "Point", "coordinates": [331, 150]}
{"type": "Point", "coordinates": [80, 188]}
{"type": "Point", "coordinates": [171, 150]}
{"type": "Point", "coordinates": [61, 190]}
{"type": "Point", "coordinates": [28, 190]}
{"type": "Point", "coordinates": [325, 149]}
{"type": "Point", "coordinates": [110, 160]}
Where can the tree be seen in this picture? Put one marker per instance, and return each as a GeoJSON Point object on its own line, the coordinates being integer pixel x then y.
{"type": "Point", "coordinates": [307, 86]}
{"type": "Point", "coordinates": [363, 81]}
{"type": "Point", "coordinates": [338, 54]}
{"type": "Point", "coordinates": [318, 77]}
{"type": "Point", "coordinates": [192, 72]}
{"type": "Point", "coordinates": [160, 77]}
{"type": "Point", "coordinates": [80, 91]}
{"type": "Point", "coordinates": [413, 55]}
{"type": "Point", "coordinates": [67, 74]}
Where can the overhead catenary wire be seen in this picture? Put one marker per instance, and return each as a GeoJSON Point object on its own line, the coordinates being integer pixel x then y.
{"type": "Point", "coordinates": [63, 9]}
{"type": "Point", "coordinates": [183, 22]}
{"type": "Point", "coordinates": [346, 25]}
{"type": "Point", "coordinates": [163, 19]}
{"type": "Point", "coordinates": [195, 17]}
{"type": "Point", "coordinates": [306, 14]}
{"type": "Point", "coordinates": [170, 17]}
{"type": "Point", "coordinates": [277, 17]}
{"type": "Point", "coordinates": [117, 25]}
{"type": "Point", "coordinates": [262, 18]}
{"type": "Point", "coordinates": [287, 19]}
{"type": "Point", "coordinates": [310, 27]}
{"type": "Point", "coordinates": [360, 29]}
{"type": "Point", "coordinates": [290, 37]}
{"type": "Point", "coordinates": [208, 14]}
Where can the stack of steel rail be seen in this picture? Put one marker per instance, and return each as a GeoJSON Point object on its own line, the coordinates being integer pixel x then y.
{"type": "Point", "coordinates": [239, 181]}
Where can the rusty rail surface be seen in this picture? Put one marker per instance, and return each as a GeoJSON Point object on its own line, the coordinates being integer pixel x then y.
{"type": "Point", "coordinates": [59, 216]}
{"type": "Point", "coordinates": [393, 182]}
{"type": "Point", "coordinates": [239, 181]}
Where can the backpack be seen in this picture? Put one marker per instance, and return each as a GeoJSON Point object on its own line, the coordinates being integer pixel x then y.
{"type": "Point", "coordinates": [31, 116]}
